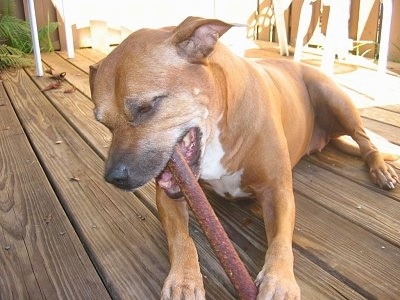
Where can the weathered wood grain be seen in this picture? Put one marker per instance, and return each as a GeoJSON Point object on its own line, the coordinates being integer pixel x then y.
{"type": "Point", "coordinates": [248, 235]}
{"type": "Point", "coordinates": [74, 75]}
{"type": "Point", "coordinates": [82, 61]}
{"type": "Point", "coordinates": [77, 109]}
{"type": "Point", "coordinates": [91, 54]}
{"type": "Point", "coordinates": [41, 256]}
{"type": "Point", "coordinates": [366, 262]}
{"type": "Point", "coordinates": [390, 132]}
{"type": "Point", "coordinates": [382, 115]}
{"type": "Point", "coordinates": [122, 237]}
{"type": "Point", "coordinates": [372, 209]}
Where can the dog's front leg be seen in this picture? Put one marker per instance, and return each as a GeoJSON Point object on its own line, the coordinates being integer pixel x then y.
{"type": "Point", "coordinates": [276, 279]}
{"type": "Point", "coordinates": [184, 280]}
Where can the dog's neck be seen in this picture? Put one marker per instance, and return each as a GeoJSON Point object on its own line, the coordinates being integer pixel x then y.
{"type": "Point", "coordinates": [222, 63]}
{"type": "Point", "coordinates": [237, 82]}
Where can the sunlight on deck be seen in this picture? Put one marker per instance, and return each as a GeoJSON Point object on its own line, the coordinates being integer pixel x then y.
{"type": "Point", "coordinates": [369, 89]}
{"type": "Point", "coordinates": [356, 74]}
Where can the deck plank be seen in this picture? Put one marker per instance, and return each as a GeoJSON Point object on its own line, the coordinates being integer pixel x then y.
{"type": "Point", "coordinates": [122, 237]}
{"type": "Point", "coordinates": [370, 208]}
{"type": "Point", "coordinates": [77, 109]}
{"type": "Point", "coordinates": [367, 263]}
{"type": "Point", "coordinates": [347, 166]}
{"type": "Point", "coordinates": [392, 133]}
{"type": "Point", "coordinates": [364, 225]}
{"type": "Point", "coordinates": [382, 115]}
{"type": "Point", "coordinates": [41, 256]}
{"type": "Point", "coordinates": [75, 76]}
{"type": "Point", "coordinates": [83, 58]}
{"type": "Point", "coordinates": [91, 54]}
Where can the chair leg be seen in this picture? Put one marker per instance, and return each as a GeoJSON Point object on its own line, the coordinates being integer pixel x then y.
{"type": "Point", "coordinates": [385, 34]}
{"type": "Point", "coordinates": [336, 33]}
{"type": "Point", "coordinates": [304, 22]}
{"type": "Point", "coordinates": [279, 11]}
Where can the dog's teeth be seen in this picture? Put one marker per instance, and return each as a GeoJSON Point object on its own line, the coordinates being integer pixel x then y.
{"type": "Point", "coordinates": [165, 184]}
{"type": "Point", "coordinates": [186, 140]}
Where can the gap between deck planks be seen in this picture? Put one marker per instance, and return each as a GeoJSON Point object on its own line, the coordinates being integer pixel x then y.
{"type": "Point", "coordinates": [315, 282]}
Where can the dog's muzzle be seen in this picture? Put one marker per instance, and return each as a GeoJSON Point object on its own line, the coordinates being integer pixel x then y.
{"type": "Point", "coordinates": [119, 176]}
{"type": "Point", "coordinates": [129, 171]}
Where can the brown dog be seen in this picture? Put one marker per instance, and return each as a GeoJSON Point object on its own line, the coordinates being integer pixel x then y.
{"type": "Point", "coordinates": [243, 127]}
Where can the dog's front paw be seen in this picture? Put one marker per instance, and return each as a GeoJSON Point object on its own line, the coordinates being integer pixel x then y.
{"type": "Point", "coordinates": [271, 286]}
{"type": "Point", "coordinates": [183, 285]}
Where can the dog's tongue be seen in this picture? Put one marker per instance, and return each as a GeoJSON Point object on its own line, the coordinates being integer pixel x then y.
{"type": "Point", "coordinates": [202, 210]}
{"type": "Point", "coordinates": [168, 183]}
{"type": "Point", "coordinates": [189, 148]}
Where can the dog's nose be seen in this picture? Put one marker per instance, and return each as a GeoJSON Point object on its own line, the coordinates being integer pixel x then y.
{"type": "Point", "coordinates": [118, 176]}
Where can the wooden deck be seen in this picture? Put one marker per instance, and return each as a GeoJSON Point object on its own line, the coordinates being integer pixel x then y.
{"type": "Point", "coordinates": [66, 234]}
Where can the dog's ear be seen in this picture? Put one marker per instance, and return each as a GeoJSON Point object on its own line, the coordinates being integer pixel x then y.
{"type": "Point", "coordinates": [92, 75]}
{"type": "Point", "coordinates": [195, 38]}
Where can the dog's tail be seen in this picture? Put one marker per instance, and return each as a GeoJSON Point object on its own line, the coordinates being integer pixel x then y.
{"type": "Point", "coordinates": [390, 152]}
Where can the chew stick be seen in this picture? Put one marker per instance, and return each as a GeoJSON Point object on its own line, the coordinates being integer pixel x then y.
{"type": "Point", "coordinates": [211, 226]}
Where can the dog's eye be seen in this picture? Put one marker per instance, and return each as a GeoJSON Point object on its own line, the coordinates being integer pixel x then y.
{"type": "Point", "coordinates": [138, 111]}
{"type": "Point", "coordinates": [147, 107]}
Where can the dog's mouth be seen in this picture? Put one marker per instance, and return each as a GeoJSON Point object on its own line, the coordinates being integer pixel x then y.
{"type": "Point", "coordinates": [190, 146]}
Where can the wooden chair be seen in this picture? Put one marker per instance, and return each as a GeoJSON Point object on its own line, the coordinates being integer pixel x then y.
{"type": "Point", "coordinates": [279, 10]}
{"type": "Point", "coordinates": [337, 30]}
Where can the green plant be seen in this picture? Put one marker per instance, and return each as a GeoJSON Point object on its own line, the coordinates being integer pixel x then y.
{"type": "Point", "coordinates": [13, 58]}
{"type": "Point", "coordinates": [15, 37]}
{"type": "Point", "coordinates": [16, 33]}
{"type": "Point", "coordinates": [44, 35]}
{"type": "Point", "coordinates": [357, 47]}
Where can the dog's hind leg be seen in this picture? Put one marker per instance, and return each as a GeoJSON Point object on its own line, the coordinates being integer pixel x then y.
{"type": "Point", "coordinates": [336, 114]}
{"type": "Point", "coordinates": [184, 280]}
{"type": "Point", "coordinates": [381, 173]}
{"type": "Point", "coordinates": [390, 152]}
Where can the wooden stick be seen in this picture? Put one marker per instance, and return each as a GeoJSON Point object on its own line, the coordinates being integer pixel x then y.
{"type": "Point", "coordinates": [211, 226]}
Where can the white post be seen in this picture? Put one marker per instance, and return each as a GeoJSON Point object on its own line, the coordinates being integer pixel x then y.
{"type": "Point", "coordinates": [304, 22]}
{"type": "Point", "coordinates": [35, 38]}
{"type": "Point", "coordinates": [385, 35]}
{"type": "Point", "coordinates": [68, 30]}
{"type": "Point", "coordinates": [336, 32]}
{"type": "Point", "coordinates": [279, 8]}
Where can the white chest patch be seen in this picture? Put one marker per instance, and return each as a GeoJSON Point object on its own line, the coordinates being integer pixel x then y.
{"type": "Point", "coordinates": [213, 172]}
